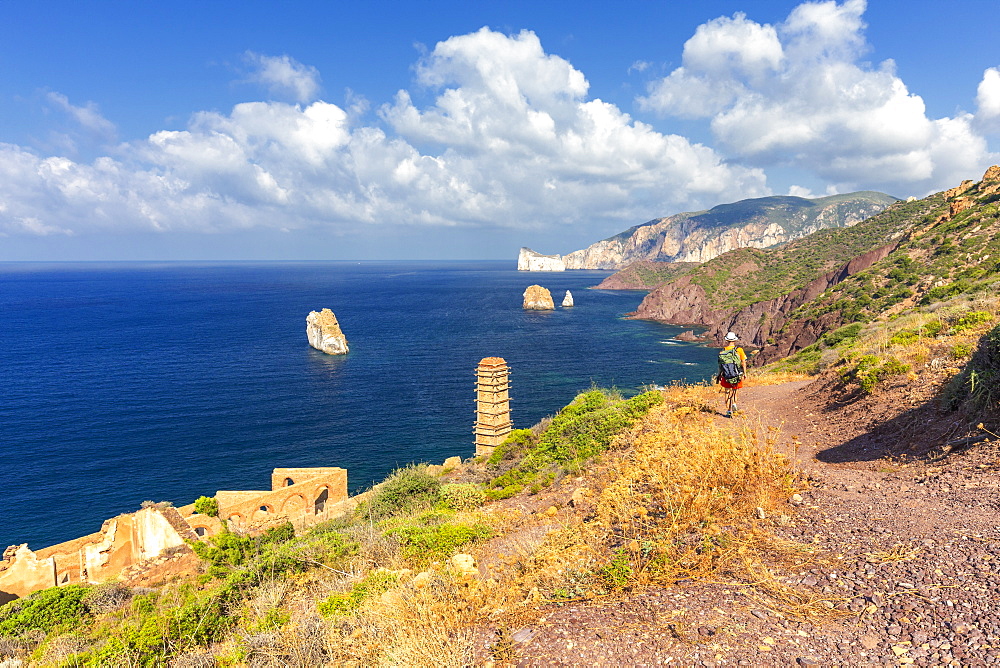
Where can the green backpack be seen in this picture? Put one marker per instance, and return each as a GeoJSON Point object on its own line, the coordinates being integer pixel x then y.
{"type": "Point", "coordinates": [730, 367]}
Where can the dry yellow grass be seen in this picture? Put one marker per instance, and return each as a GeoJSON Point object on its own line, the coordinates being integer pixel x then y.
{"type": "Point", "coordinates": [679, 498]}
{"type": "Point", "coordinates": [755, 379]}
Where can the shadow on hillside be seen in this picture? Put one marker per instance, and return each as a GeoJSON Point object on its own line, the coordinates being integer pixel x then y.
{"type": "Point", "coordinates": [887, 431]}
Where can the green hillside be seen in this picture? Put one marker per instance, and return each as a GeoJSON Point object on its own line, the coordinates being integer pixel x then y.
{"type": "Point", "coordinates": [748, 275]}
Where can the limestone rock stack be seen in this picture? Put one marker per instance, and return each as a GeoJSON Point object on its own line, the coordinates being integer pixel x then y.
{"type": "Point", "coordinates": [529, 260]}
{"type": "Point", "coordinates": [537, 298]}
{"type": "Point", "coordinates": [568, 299]}
{"type": "Point", "coordinates": [324, 332]}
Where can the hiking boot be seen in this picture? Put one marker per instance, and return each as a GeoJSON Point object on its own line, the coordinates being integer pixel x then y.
{"type": "Point", "coordinates": [734, 409]}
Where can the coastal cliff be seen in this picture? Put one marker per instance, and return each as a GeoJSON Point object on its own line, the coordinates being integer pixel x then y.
{"type": "Point", "coordinates": [529, 260]}
{"type": "Point", "coordinates": [324, 333]}
{"type": "Point", "coordinates": [704, 235]}
{"type": "Point", "coordinates": [684, 302]}
{"type": "Point", "coordinates": [783, 300]}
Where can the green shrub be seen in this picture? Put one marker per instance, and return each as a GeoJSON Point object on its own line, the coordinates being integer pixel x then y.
{"type": "Point", "coordinates": [504, 492]}
{"type": "Point", "coordinates": [44, 610]}
{"type": "Point", "coordinates": [161, 627]}
{"type": "Point", "coordinates": [516, 444]}
{"type": "Point", "coordinates": [960, 351]}
{"type": "Point", "coordinates": [932, 328]}
{"type": "Point", "coordinates": [244, 560]}
{"type": "Point", "coordinates": [945, 291]}
{"type": "Point", "coordinates": [325, 544]}
{"type": "Point", "coordinates": [373, 584]}
{"type": "Point", "coordinates": [904, 337]}
{"type": "Point", "coordinates": [206, 505]}
{"type": "Point", "coordinates": [461, 496]}
{"type": "Point", "coordinates": [970, 320]}
{"type": "Point", "coordinates": [893, 367]}
{"type": "Point", "coordinates": [845, 335]}
{"type": "Point", "coordinates": [581, 430]}
{"type": "Point", "coordinates": [618, 573]}
{"type": "Point", "coordinates": [870, 370]}
{"type": "Point", "coordinates": [427, 543]}
{"type": "Point", "coordinates": [406, 490]}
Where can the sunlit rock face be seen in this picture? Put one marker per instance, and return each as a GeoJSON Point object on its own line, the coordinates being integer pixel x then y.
{"type": "Point", "coordinates": [703, 235]}
{"type": "Point", "coordinates": [324, 333]}
{"type": "Point", "coordinates": [537, 298]}
{"type": "Point", "coordinates": [529, 260]}
{"type": "Point", "coordinates": [567, 300]}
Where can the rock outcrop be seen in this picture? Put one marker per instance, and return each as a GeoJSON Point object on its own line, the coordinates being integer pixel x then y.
{"type": "Point", "coordinates": [529, 260]}
{"type": "Point", "coordinates": [567, 300]}
{"type": "Point", "coordinates": [537, 298]}
{"type": "Point", "coordinates": [323, 332]}
{"type": "Point", "coordinates": [701, 236]}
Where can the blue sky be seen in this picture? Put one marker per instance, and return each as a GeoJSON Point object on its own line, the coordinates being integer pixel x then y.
{"type": "Point", "coordinates": [449, 130]}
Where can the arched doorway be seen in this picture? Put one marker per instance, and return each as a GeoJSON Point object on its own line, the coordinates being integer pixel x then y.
{"type": "Point", "coordinates": [320, 505]}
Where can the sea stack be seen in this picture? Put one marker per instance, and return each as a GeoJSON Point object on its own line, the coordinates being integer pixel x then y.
{"type": "Point", "coordinates": [568, 299]}
{"type": "Point", "coordinates": [529, 260]}
{"type": "Point", "coordinates": [537, 298]}
{"type": "Point", "coordinates": [324, 333]}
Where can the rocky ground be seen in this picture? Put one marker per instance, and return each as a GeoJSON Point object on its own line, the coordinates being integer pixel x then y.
{"type": "Point", "coordinates": [912, 547]}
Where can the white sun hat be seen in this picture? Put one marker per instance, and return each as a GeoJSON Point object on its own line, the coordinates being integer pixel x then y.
{"type": "Point", "coordinates": [731, 336]}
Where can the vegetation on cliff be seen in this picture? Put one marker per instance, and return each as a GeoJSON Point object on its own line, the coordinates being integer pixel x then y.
{"type": "Point", "coordinates": [748, 275]}
{"type": "Point", "coordinates": [645, 275]}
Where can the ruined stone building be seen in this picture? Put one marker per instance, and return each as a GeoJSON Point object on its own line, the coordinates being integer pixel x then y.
{"type": "Point", "coordinates": [154, 541]}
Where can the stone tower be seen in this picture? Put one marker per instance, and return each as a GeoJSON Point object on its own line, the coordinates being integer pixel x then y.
{"type": "Point", "coordinates": [492, 404]}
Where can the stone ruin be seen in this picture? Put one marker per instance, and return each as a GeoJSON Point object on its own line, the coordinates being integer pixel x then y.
{"type": "Point", "coordinates": [154, 541]}
{"type": "Point", "coordinates": [493, 423]}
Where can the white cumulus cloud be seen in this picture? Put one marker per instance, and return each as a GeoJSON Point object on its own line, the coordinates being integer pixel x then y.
{"type": "Point", "coordinates": [511, 139]}
{"type": "Point", "coordinates": [798, 94]}
{"type": "Point", "coordinates": [284, 76]}
{"type": "Point", "coordinates": [988, 100]}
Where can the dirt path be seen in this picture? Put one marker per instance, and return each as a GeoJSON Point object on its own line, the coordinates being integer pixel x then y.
{"type": "Point", "coordinates": [914, 564]}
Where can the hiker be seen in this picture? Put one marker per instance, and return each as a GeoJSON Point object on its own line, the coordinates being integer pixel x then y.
{"type": "Point", "coordinates": [732, 369]}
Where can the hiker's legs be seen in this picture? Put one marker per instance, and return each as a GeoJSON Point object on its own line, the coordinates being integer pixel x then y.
{"type": "Point", "coordinates": [730, 399]}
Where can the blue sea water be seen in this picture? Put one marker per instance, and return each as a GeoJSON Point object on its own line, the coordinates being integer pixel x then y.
{"type": "Point", "coordinates": [128, 382]}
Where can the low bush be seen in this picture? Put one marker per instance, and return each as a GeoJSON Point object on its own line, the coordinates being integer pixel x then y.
{"type": "Point", "coordinates": [106, 598]}
{"type": "Point", "coordinates": [407, 490]}
{"type": "Point", "coordinates": [970, 320]}
{"type": "Point", "coordinates": [44, 610]}
{"type": "Point", "coordinates": [581, 430]}
{"type": "Point", "coordinates": [843, 335]}
{"type": "Point", "coordinates": [346, 603]}
{"type": "Point", "coordinates": [461, 496]}
{"type": "Point", "coordinates": [517, 443]}
{"type": "Point", "coordinates": [870, 370]}
{"type": "Point", "coordinates": [436, 541]}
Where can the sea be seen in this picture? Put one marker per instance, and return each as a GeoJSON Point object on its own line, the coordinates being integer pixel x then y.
{"type": "Point", "coordinates": [127, 382]}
